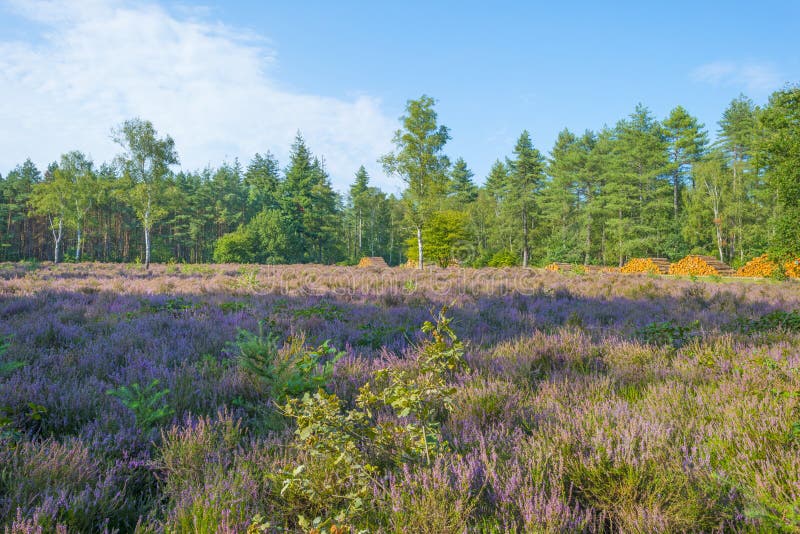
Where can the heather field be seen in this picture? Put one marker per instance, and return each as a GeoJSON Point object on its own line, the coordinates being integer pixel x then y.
{"type": "Point", "coordinates": [226, 398]}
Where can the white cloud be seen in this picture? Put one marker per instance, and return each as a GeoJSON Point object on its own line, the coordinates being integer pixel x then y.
{"type": "Point", "coordinates": [758, 78]}
{"type": "Point", "coordinates": [209, 86]}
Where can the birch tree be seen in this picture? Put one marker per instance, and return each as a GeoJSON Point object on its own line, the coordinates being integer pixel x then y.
{"type": "Point", "coordinates": [145, 161]}
{"type": "Point", "coordinates": [419, 162]}
{"type": "Point", "coordinates": [50, 198]}
{"type": "Point", "coordinates": [710, 179]}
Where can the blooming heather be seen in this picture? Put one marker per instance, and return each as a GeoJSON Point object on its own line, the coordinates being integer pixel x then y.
{"type": "Point", "coordinates": [571, 413]}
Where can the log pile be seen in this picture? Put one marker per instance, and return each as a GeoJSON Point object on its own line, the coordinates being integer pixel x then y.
{"type": "Point", "coordinates": [558, 266]}
{"type": "Point", "coordinates": [792, 268]}
{"type": "Point", "coordinates": [761, 266]}
{"type": "Point", "coordinates": [374, 261]}
{"type": "Point", "coordinates": [700, 266]}
{"type": "Point", "coordinates": [646, 265]}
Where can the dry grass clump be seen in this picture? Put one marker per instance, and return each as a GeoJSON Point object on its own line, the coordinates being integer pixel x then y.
{"type": "Point", "coordinates": [372, 261]}
{"type": "Point", "coordinates": [646, 265]}
{"type": "Point", "coordinates": [699, 266]}
{"type": "Point", "coordinates": [761, 266]}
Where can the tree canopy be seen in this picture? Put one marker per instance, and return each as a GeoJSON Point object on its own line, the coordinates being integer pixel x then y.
{"type": "Point", "coordinates": [642, 187]}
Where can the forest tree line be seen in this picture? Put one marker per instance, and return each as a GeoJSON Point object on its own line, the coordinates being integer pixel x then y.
{"type": "Point", "coordinates": [644, 187]}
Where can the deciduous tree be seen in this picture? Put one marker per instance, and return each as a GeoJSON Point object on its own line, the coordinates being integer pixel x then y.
{"type": "Point", "coordinates": [419, 162]}
{"type": "Point", "coordinates": [145, 160]}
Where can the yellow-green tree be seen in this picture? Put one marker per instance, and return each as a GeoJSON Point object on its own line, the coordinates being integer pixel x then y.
{"type": "Point", "coordinates": [446, 235]}
{"type": "Point", "coordinates": [420, 164]}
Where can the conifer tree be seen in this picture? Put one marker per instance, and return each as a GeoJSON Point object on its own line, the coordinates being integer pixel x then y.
{"type": "Point", "coordinates": [462, 189]}
{"type": "Point", "coordinates": [525, 182]}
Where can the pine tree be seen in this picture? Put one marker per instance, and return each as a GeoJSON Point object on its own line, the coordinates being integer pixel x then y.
{"type": "Point", "coordinates": [262, 179]}
{"type": "Point", "coordinates": [526, 179]}
{"type": "Point", "coordinates": [359, 200]}
{"type": "Point", "coordinates": [639, 190]}
{"type": "Point", "coordinates": [737, 139]}
{"type": "Point", "coordinates": [562, 199]}
{"type": "Point", "coordinates": [687, 143]}
{"type": "Point", "coordinates": [15, 240]}
{"type": "Point", "coordinates": [295, 199]}
{"type": "Point", "coordinates": [462, 189]}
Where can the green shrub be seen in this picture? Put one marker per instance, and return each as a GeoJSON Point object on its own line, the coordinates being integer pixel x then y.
{"type": "Point", "coordinates": [774, 320]}
{"type": "Point", "coordinates": [287, 372]}
{"type": "Point", "coordinates": [232, 306]}
{"type": "Point", "coordinates": [323, 310]}
{"type": "Point", "coordinates": [668, 333]}
{"type": "Point", "coordinates": [504, 258]}
{"type": "Point", "coordinates": [237, 247]}
{"type": "Point", "coordinates": [147, 403]}
{"type": "Point", "coordinates": [349, 448]}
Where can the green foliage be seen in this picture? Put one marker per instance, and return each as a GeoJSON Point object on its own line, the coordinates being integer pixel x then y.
{"type": "Point", "coordinates": [622, 490]}
{"type": "Point", "coordinates": [461, 189]}
{"type": "Point", "coordinates": [525, 183]}
{"type": "Point", "coordinates": [445, 235]}
{"type": "Point", "coordinates": [308, 209]}
{"type": "Point", "coordinates": [13, 423]}
{"type": "Point", "coordinates": [348, 449]}
{"type": "Point", "coordinates": [774, 320]}
{"type": "Point", "coordinates": [638, 194]}
{"type": "Point", "coordinates": [202, 270]}
{"type": "Point", "coordinates": [668, 333]}
{"type": "Point", "coordinates": [263, 239]}
{"type": "Point", "coordinates": [421, 393]}
{"type": "Point", "coordinates": [232, 306]}
{"type": "Point", "coordinates": [504, 258]}
{"type": "Point", "coordinates": [335, 484]}
{"type": "Point", "coordinates": [145, 161]}
{"type": "Point", "coordinates": [288, 372]}
{"type": "Point", "coordinates": [147, 403]}
{"type": "Point", "coordinates": [6, 368]}
{"type": "Point", "coordinates": [247, 279]}
{"type": "Point", "coordinates": [376, 335]}
{"type": "Point", "coordinates": [324, 310]}
{"type": "Point", "coordinates": [781, 146]}
{"type": "Point", "coordinates": [172, 305]}
{"type": "Point", "coordinates": [236, 247]}
{"type": "Point", "coordinates": [419, 162]}
{"type": "Point", "coordinates": [370, 221]}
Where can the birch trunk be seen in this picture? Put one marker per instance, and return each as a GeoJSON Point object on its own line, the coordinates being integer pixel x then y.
{"type": "Point", "coordinates": [420, 263]}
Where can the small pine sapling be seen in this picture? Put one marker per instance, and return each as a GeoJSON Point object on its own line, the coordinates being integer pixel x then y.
{"type": "Point", "coordinates": [147, 403]}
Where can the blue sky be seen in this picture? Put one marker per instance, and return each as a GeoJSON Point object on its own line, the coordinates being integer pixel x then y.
{"type": "Point", "coordinates": [227, 79]}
